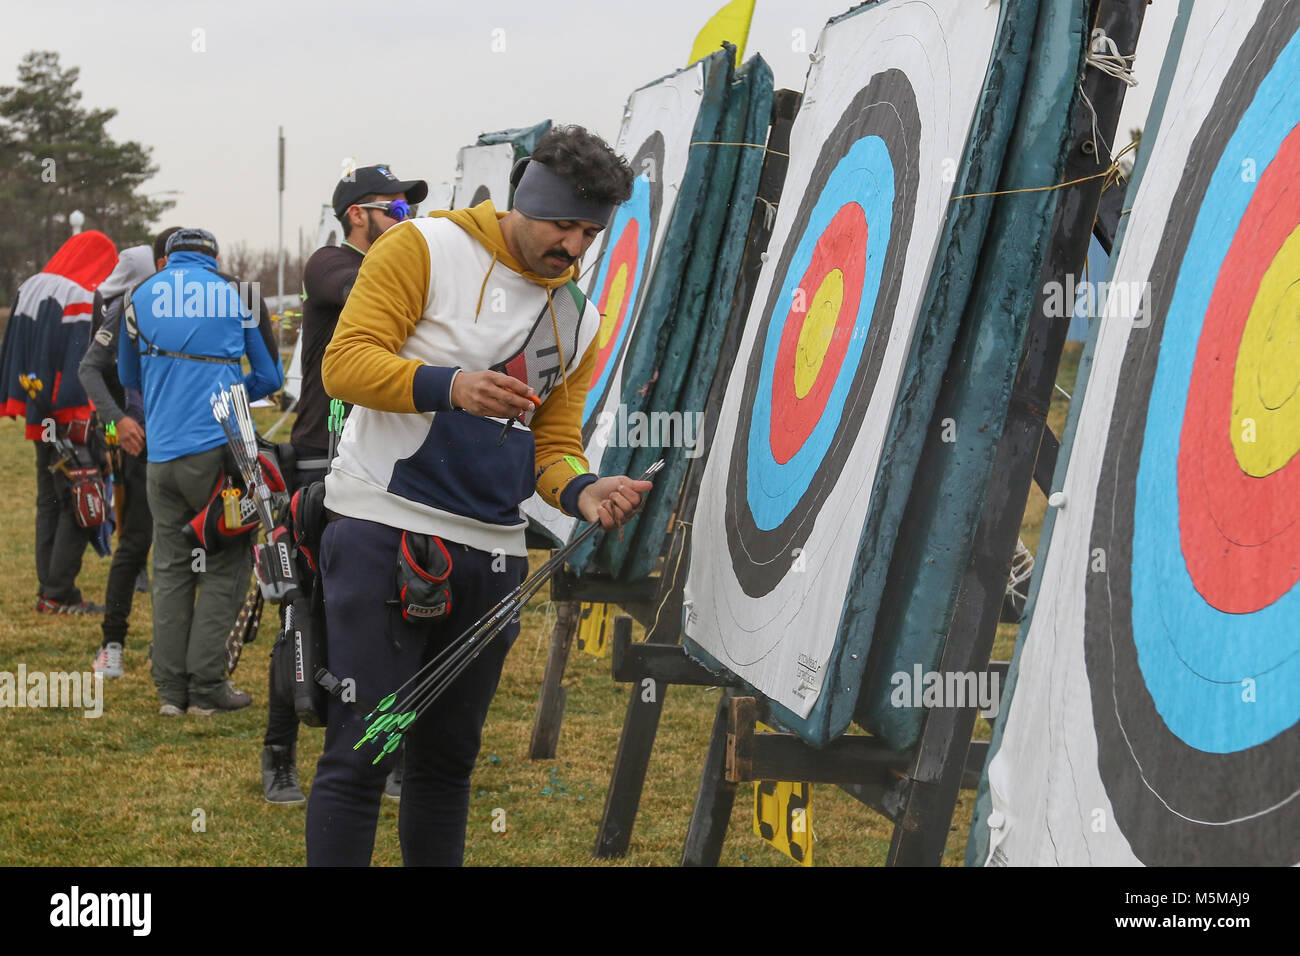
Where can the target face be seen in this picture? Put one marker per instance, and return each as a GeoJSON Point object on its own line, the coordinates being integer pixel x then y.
{"type": "Point", "coordinates": [329, 231]}
{"type": "Point", "coordinates": [797, 494]}
{"type": "Point", "coordinates": [620, 279]}
{"type": "Point", "coordinates": [823, 332]}
{"type": "Point", "coordinates": [483, 172]}
{"type": "Point", "coordinates": [1191, 634]}
{"type": "Point", "coordinates": [616, 273]}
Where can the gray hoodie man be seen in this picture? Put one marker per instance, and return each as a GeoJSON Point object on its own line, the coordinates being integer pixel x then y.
{"type": "Point", "coordinates": [124, 408]}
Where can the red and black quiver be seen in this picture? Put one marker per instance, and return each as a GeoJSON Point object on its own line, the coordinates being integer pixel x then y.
{"type": "Point", "coordinates": [300, 674]}
{"type": "Point", "coordinates": [210, 529]}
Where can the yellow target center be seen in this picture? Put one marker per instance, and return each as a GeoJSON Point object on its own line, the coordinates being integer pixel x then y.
{"type": "Point", "coordinates": [1266, 378]}
{"type": "Point", "coordinates": [817, 331]}
{"type": "Point", "coordinates": [613, 305]}
{"type": "Point", "coordinates": [1279, 372]}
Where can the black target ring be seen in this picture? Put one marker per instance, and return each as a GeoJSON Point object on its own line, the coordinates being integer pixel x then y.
{"type": "Point", "coordinates": [884, 108]}
{"type": "Point", "coordinates": [1174, 803]}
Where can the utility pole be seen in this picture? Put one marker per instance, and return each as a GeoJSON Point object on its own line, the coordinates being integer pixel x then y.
{"type": "Point", "coordinates": [279, 329]}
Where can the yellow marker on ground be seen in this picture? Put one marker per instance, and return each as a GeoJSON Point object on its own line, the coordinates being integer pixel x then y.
{"type": "Point", "coordinates": [593, 630]}
{"type": "Point", "coordinates": [783, 815]}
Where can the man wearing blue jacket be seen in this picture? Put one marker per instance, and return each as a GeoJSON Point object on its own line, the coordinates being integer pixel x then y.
{"type": "Point", "coordinates": [187, 329]}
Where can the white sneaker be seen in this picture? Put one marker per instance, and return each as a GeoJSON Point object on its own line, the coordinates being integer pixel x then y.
{"type": "Point", "coordinates": [109, 661]}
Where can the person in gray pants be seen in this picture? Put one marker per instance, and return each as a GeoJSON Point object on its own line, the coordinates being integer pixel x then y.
{"type": "Point", "coordinates": [195, 596]}
{"type": "Point", "coordinates": [187, 328]}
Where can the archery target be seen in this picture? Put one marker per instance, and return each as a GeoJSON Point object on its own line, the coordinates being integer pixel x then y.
{"type": "Point", "coordinates": [483, 172]}
{"type": "Point", "coordinates": [440, 197]}
{"type": "Point", "coordinates": [802, 430]}
{"type": "Point", "coordinates": [329, 231]}
{"type": "Point", "coordinates": [1172, 573]}
{"type": "Point", "coordinates": [620, 278]}
{"type": "Point", "coordinates": [658, 127]}
{"type": "Point", "coordinates": [822, 334]}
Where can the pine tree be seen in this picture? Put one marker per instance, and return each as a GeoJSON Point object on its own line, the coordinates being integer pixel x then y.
{"type": "Point", "coordinates": [56, 156]}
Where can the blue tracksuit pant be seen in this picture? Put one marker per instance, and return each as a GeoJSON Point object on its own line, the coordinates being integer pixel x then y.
{"type": "Point", "coordinates": [370, 642]}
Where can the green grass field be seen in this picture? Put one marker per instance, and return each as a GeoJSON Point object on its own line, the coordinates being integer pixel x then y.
{"type": "Point", "coordinates": [131, 788]}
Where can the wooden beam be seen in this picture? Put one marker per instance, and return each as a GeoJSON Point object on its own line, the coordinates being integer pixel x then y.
{"type": "Point", "coordinates": [975, 758]}
{"type": "Point", "coordinates": [883, 795]}
{"type": "Point", "coordinates": [634, 597]}
{"type": "Point", "coordinates": [765, 756]}
{"type": "Point", "coordinates": [1049, 447]}
{"type": "Point", "coordinates": [665, 663]}
{"type": "Point", "coordinates": [599, 589]}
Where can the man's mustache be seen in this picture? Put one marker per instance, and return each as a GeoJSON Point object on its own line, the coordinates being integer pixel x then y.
{"type": "Point", "coordinates": [561, 254]}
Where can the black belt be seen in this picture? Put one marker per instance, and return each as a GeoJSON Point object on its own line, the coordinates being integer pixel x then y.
{"type": "Point", "coordinates": [154, 350]}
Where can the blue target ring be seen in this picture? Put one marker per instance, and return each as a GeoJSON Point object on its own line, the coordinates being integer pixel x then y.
{"type": "Point", "coordinates": [1190, 677]}
{"type": "Point", "coordinates": [1193, 656]}
{"type": "Point", "coordinates": [810, 376]}
{"type": "Point", "coordinates": [865, 176]}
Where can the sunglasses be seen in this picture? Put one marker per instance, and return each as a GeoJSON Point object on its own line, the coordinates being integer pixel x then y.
{"type": "Point", "coordinates": [398, 209]}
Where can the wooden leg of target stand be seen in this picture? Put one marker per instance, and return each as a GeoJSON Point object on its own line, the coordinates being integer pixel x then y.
{"type": "Point", "coordinates": [715, 797]}
{"type": "Point", "coordinates": [633, 759]}
{"type": "Point", "coordinates": [550, 702]}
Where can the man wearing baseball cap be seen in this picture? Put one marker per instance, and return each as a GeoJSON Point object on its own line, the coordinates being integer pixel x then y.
{"type": "Point", "coordinates": [458, 323]}
{"type": "Point", "coordinates": [373, 187]}
{"type": "Point", "coordinates": [367, 201]}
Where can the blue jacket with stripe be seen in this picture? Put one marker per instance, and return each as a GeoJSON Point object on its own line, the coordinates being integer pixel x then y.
{"type": "Point", "coordinates": [205, 319]}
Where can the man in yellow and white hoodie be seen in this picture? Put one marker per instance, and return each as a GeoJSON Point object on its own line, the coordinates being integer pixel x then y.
{"type": "Point", "coordinates": [467, 350]}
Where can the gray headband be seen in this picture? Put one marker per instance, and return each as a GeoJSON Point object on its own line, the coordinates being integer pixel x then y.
{"type": "Point", "coordinates": [541, 194]}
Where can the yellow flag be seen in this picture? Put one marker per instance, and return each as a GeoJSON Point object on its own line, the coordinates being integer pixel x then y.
{"type": "Point", "coordinates": [731, 23]}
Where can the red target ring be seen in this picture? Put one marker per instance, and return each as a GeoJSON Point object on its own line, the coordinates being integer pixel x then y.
{"type": "Point", "coordinates": [622, 257]}
{"type": "Point", "coordinates": [1239, 532]}
{"type": "Point", "coordinates": [841, 247]}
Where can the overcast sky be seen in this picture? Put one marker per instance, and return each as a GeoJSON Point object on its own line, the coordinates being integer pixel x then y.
{"type": "Point", "coordinates": [402, 82]}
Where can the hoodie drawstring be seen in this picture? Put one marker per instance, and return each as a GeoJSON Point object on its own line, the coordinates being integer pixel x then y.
{"type": "Point", "coordinates": [481, 289]}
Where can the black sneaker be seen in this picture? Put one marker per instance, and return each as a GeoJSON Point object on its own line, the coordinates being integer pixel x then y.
{"type": "Point", "coordinates": [227, 699]}
{"type": "Point", "coordinates": [280, 775]}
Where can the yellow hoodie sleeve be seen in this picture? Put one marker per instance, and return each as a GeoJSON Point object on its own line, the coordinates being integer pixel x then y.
{"type": "Point", "coordinates": [361, 365]}
{"type": "Point", "coordinates": [557, 432]}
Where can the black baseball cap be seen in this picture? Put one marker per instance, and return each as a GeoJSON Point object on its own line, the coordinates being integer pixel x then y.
{"type": "Point", "coordinates": [368, 180]}
{"type": "Point", "coordinates": [192, 240]}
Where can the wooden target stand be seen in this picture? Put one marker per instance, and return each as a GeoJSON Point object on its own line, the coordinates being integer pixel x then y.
{"type": "Point", "coordinates": [916, 789]}
{"type": "Point", "coordinates": [656, 602]}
